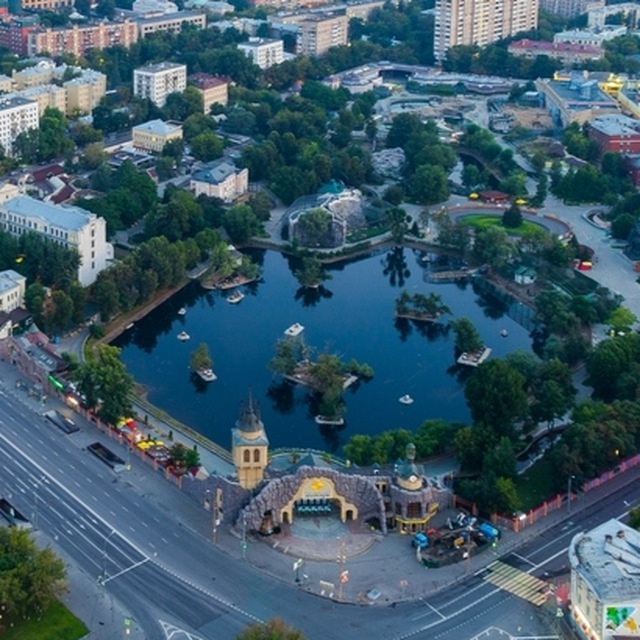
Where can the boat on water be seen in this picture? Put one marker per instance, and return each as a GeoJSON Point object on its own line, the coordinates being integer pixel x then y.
{"type": "Point", "coordinates": [182, 311]}
{"type": "Point", "coordinates": [406, 399]}
{"type": "Point", "coordinates": [332, 421]}
{"type": "Point", "coordinates": [183, 336]}
{"type": "Point", "coordinates": [235, 297]}
{"type": "Point", "coordinates": [129, 326]}
{"type": "Point", "coordinates": [504, 333]}
{"type": "Point", "coordinates": [207, 375]}
{"type": "Point", "coordinates": [294, 330]}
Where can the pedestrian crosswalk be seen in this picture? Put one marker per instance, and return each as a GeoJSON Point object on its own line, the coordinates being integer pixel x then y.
{"type": "Point", "coordinates": [517, 582]}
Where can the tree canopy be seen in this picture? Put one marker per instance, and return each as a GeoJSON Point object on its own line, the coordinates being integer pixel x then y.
{"type": "Point", "coordinates": [105, 384]}
{"type": "Point", "coordinates": [31, 579]}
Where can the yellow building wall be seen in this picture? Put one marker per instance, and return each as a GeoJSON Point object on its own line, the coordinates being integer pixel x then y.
{"type": "Point", "coordinates": [318, 488]}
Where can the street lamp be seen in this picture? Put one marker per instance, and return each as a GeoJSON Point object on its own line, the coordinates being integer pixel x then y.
{"type": "Point", "coordinates": [244, 536]}
{"type": "Point", "coordinates": [213, 506]}
{"type": "Point", "coordinates": [572, 477]}
{"type": "Point", "coordinates": [101, 579]}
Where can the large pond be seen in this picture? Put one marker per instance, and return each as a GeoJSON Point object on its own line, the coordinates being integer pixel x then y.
{"type": "Point", "coordinates": [352, 315]}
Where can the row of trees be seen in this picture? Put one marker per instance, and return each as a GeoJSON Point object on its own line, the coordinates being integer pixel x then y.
{"type": "Point", "coordinates": [432, 438]}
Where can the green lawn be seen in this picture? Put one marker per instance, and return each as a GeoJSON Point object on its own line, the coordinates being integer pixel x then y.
{"type": "Point", "coordinates": [484, 221]}
{"type": "Point", "coordinates": [536, 484]}
{"type": "Point", "coordinates": [58, 623]}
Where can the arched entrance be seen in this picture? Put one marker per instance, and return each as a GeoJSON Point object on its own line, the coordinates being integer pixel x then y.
{"type": "Point", "coordinates": [317, 496]}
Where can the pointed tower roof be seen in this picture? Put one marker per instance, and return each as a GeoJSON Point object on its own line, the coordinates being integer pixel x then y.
{"type": "Point", "coordinates": [249, 426]}
{"type": "Point", "coordinates": [249, 418]}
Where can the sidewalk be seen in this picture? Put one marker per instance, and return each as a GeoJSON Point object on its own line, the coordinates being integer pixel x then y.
{"type": "Point", "coordinates": [386, 564]}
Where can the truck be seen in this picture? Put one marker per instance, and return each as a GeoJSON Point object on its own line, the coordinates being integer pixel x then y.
{"type": "Point", "coordinates": [491, 533]}
{"type": "Point", "coordinates": [420, 541]}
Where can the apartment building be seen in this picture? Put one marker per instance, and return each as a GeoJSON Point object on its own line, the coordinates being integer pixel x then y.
{"type": "Point", "coordinates": [569, 8]}
{"type": "Point", "coordinates": [157, 81]}
{"type": "Point", "coordinates": [14, 33]}
{"type": "Point", "coordinates": [12, 288]}
{"type": "Point", "coordinates": [70, 226]}
{"type": "Point", "coordinates": [17, 115]}
{"type": "Point", "coordinates": [46, 95]}
{"type": "Point", "coordinates": [264, 52]}
{"type": "Point", "coordinates": [45, 5]}
{"type": "Point", "coordinates": [79, 39]}
{"type": "Point", "coordinates": [318, 33]}
{"type": "Point", "coordinates": [214, 90]}
{"type": "Point", "coordinates": [220, 179]}
{"type": "Point", "coordinates": [480, 22]}
{"type": "Point", "coordinates": [172, 22]}
{"type": "Point", "coordinates": [85, 92]}
{"type": "Point", "coordinates": [154, 135]}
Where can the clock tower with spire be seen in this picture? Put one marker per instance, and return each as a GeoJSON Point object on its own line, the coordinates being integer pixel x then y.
{"type": "Point", "coordinates": [250, 446]}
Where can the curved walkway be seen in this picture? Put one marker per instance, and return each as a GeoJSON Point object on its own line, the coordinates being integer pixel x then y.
{"type": "Point", "coordinates": [553, 225]}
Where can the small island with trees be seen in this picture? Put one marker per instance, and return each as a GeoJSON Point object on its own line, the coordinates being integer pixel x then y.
{"type": "Point", "coordinates": [420, 307]}
{"type": "Point", "coordinates": [327, 377]}
{"type": "Point", "coordinates": [200, 362]}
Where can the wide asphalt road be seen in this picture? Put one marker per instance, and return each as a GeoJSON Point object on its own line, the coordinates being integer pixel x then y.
{"type": "Point", "coordinates": [168, 574]}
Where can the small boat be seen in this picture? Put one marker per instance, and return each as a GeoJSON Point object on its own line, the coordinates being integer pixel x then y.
{"type": "Point", "coordinates": [129, 326]}
{"type": "Point", "coordinates": [294, 330]}
{"type": "Point", "coordinates": [182, 311]}
{"type": "Point", "coordinates": [207, 375]}
{"type": "Point", "coordinates": [406, 399]}
{"type": "Point", "coordinates": [504, 333]}
{"type": "Point", "coordinates": [325, 420]}
{"type": "Point", "coordinates": [183, 336]}
{"type": "Point", "coordinates": [235, 297]}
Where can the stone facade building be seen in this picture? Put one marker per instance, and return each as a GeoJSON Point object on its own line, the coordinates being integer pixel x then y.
{"type": "Point", "coordinates": [268, 492]}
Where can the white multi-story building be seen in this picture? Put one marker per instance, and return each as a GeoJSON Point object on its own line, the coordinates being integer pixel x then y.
{"type": "Point", "coordinates": [592, 38]}
{"type": "Point", "coordinates": [12, 288]}
{"type": "Point", "coordinates": [70, 226]}
{"type": "Point", "coordinates": [480, 22]}
{"type": "Point", "coordinates": [17, 115]}
{"type": "Point", "coordinates": [157, 81]}
{"type": "Point", "coordinates": [605, 582]}
{"type": "Point", "coordinates": [220, 179]}
{"type": "Point", "coordinates": [264, 52]}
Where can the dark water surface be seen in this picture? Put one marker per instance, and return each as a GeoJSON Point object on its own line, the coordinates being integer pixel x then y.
{"type": "Point", "coordinates": [353, 316]}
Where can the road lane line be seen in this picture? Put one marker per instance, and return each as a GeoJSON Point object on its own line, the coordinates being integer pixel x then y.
{"type": "Point", "coordinates": [120, 573]}
{"type": "Point", "coordinates": [517, 555]}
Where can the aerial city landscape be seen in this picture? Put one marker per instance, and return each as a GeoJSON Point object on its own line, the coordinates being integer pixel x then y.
{"type": "Point", "coordinates": [319, 319]}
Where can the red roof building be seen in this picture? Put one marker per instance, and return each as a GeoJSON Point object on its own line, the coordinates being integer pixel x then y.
{"type": "Point", "coordinates": [616, 133]}
{"type": "Point", "coordinates": [563, 51]}
{"type": "Point", "coordinates": [494, 197]}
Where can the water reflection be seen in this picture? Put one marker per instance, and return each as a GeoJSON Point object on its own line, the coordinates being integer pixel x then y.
{"type": "Point", "coordinates": [282, 397]}
{"type": "Point", "coordinates": [352, 319]}
{"type": "Point", "coordinates": [395, 267]}
{"type": "Point", "coordinates": [310, 296]}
